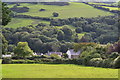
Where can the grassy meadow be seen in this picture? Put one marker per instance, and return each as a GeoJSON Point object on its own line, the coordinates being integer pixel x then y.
{"type": "Point", "coordinates": [72, 10]}
{"type": "Point", "coordinates": [56, 71]}
{"type": "Point", "coordinates": [112, 8]}
{"type": "Point", "coordinates": [100, 3]}
{"type": "Point", "coordinates": [22, 22]}
{"type": "Point", "coordinates": [0, 69]}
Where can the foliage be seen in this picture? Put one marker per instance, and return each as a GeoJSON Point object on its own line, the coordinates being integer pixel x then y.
{"type": "Point", "coordinates": [6, 61]}
{"type": "Point", "coordinates": [5, 14]}
{"type": "Point", "coordinates": [83, 46]}
{"type": "Point", "coordinates": [22, 50]}
{"type": "Point", "coordinates": [65, 55]}
{"type": "Point", "coordinates": [4, 44]}
{"type": "Point", "coordinates": [55, 56]}
{"type": "Point", "coordinates": [117, 62]}
{"type": "Point", "coordinates": [55, 14]}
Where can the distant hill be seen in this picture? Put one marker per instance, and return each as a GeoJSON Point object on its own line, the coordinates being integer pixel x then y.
{"type": "Point", "coordinates": [67, 11]}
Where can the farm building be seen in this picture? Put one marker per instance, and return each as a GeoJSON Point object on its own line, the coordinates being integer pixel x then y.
{"type": "Point", "coordinates": [72, 54]}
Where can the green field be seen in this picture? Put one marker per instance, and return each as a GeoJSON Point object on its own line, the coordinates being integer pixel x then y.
{"type": "Point", "coordinates": [112, 8]}
{"type": "Point", "coordinates": [0, 69]}
{"type": "Point", "coordinates": [56, 71]}
{"type": "Point", "coordinates": [22, 22]}
{"type": "Point", "coordinates": [100, 3]}
{"type": "Point", "coordinates": [72, 10]}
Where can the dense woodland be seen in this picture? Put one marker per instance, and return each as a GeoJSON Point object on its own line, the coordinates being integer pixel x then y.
{"type": "Point", "coordinates": [101, 30]}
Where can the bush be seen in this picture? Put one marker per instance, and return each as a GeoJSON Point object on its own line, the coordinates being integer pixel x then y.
{"type": "Point", "coordinates": [34, 57]}
{"type": "Point", "coordinates": [95, 62]}
{"type": "Point", "coordinates": [116, 63]}
{"type": "Point", "coordinates": [18, 61]}
{"type": "Point", "coordinates": [96, 55]}
{"type": "Point", "coordinates": [6, 61]}
{"type": "Point", "coordinates": [114, 55]}
{"type": "Point", "coordinates": [54, 56]}
{"type": "Point", "coordinates": [55, 14]}
{"type": "Point", "coordinates": [86, 60]}
{"type": "Point", "coordinates": [30, 61]}
{"type": "Point", "coordinates": [78, 30]}
{"type": "Point", "coordinates": [107, 63]}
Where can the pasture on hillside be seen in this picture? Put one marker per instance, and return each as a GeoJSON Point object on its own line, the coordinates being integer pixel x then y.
{"type": "Point", "coordinates": [72, 10]}
{"type": "Point", "coordinates": [99, 3]}
{"type": "Point", "coordinates": [112, 8]}
{"type": "Point", "coordinates": [56, 71]}
{"type": "Point", "coordinates": [22, 22]}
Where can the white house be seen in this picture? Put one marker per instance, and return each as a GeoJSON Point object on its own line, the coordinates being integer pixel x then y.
{"type": "Point", "coordinates": [72, 54]}
{"type": "Point", "coordinates": [4, 56]}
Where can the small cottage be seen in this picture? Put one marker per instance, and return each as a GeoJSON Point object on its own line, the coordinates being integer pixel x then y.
{"type": "Point", "coordinates": [72, 54]}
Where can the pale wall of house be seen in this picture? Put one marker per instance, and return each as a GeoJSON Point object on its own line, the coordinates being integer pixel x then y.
{"type": "Point", "coordinates": [69, 55]}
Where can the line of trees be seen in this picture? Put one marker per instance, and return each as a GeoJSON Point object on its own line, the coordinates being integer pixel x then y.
{"type": "Point", "coordinates": [99, 29]}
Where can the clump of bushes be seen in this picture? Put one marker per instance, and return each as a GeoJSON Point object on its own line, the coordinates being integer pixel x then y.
{"type": "Point", "coordinates": [6, 60]}
{"type": "Point", "coordinates": [20, 9]}
{"type": "Point", "coordinates": [55, 14]}
{"type": "Point", "coordinates": [116, 62]}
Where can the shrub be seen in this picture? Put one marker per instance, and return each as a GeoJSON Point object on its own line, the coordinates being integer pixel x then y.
{"type": "Point", "coordinates": [96, 55]}
{"type": "Point", "coordinates": [54, 56]}
{"type": "Point", "coordinates": [116, 63]}
{"type": "Point", "coordinates": [55, 14]}
{"type": "Point", "coordinates": [114, 55]}
{"type": "Point", "coordinates": [65, 55]}
{"type": "Point", "coordinates": [86, 60]}
{"type": "Point", "coordinates": [78, 30]}
{"type": "Point", "coordinates": [95, 62]}
{"type": "Point", "coordinates": [18, 61]}
{"type": "Point", "coordinates": [107, 63]}
{"type": "Point", "coordinates": [6, 61]}
{"type": "Point", "coordinates": [30, 61]}
{"type": "Point", "coordinates": [34, 57]}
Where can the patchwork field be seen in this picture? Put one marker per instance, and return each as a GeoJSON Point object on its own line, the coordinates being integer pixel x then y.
{"type": "Point", "coordinates": [21, 22]}
{"type": "Point", "coordinates": [56, 71]}
{"type": "Point", "coordinates": [99, 3]}
{"type": "Point", "coordinates": [72, 10]}
{"type": "Point", "coordinates": [112, 8]}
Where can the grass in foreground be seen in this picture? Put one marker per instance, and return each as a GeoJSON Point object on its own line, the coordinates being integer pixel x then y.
{"type": "Point", "coordinates": [0, 69]}
{"type": "Point", "coordinates": [56, 71]}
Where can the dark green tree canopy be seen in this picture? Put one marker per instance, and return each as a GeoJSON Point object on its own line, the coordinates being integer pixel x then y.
{"type": "Point", "coordinates": [5, 14]}
{"type": "Point", "coordinates": [4, 44]}
{"type": "Point", "coordinates": [55, 14]}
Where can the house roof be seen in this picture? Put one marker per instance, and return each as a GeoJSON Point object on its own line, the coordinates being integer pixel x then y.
{"type": "Point", "coordinates": [72, 52]}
